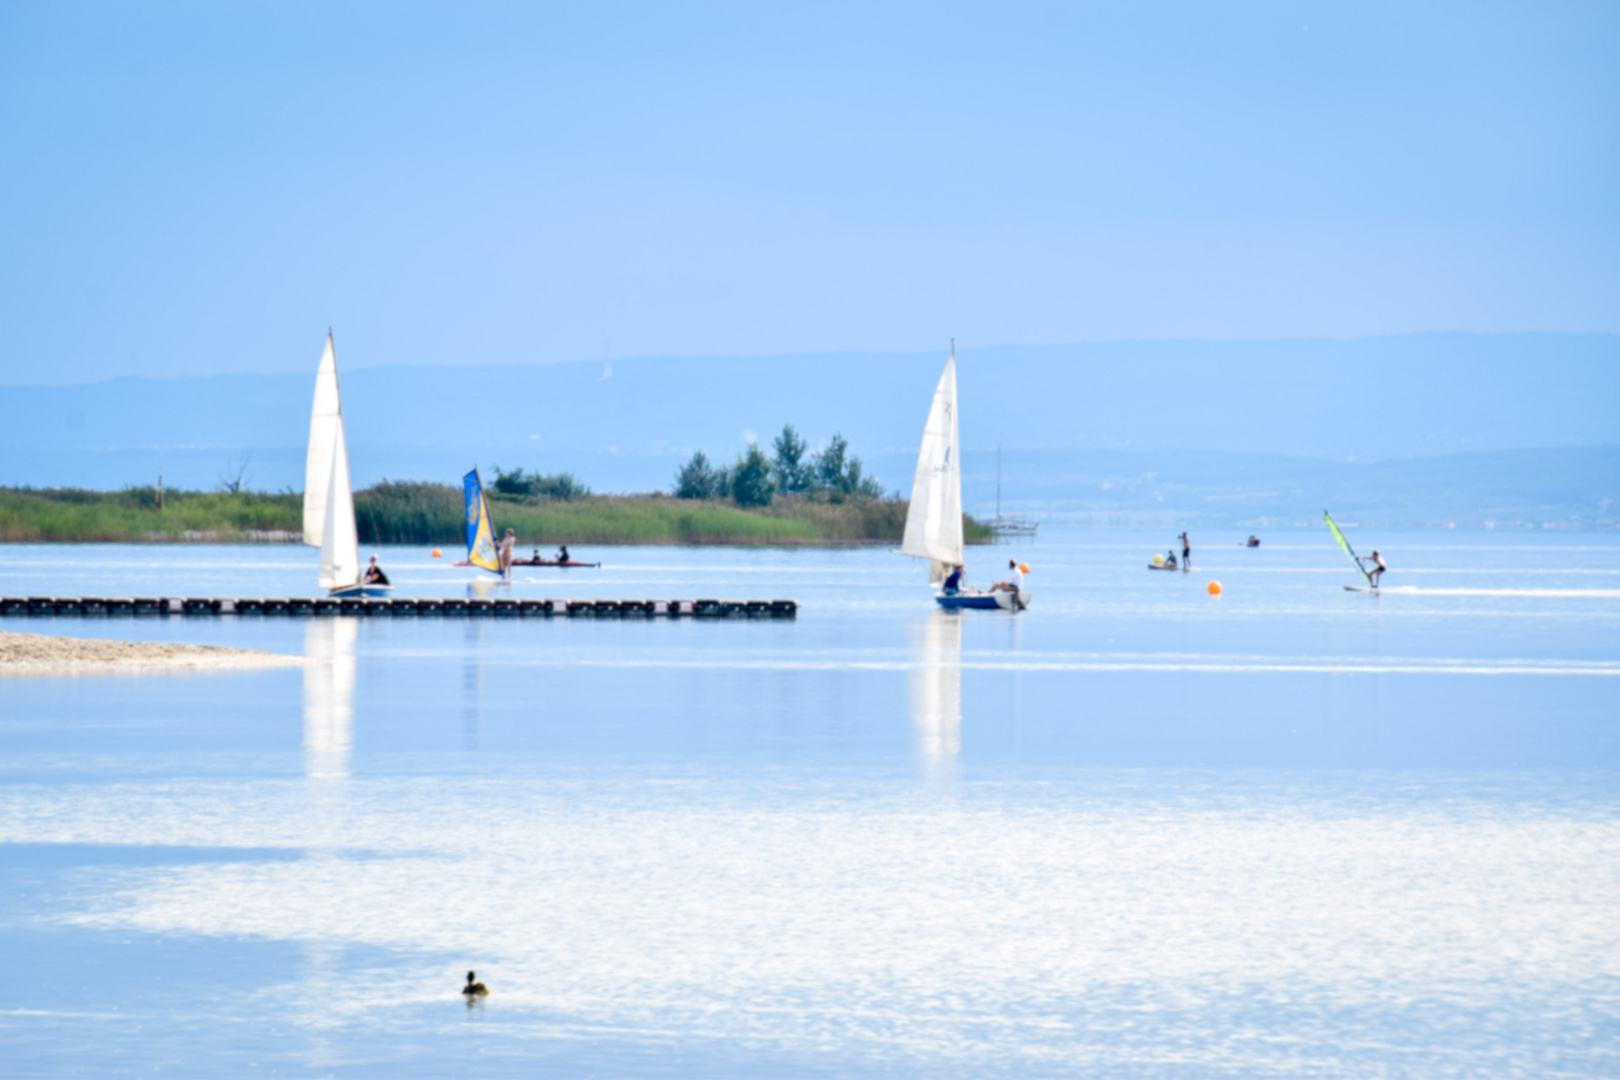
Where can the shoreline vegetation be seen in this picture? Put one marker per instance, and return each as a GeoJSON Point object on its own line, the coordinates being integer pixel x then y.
{"type": "Point", "coordinates": [425, 513]}
{"type": "Point", "coordinates": [795, 497]}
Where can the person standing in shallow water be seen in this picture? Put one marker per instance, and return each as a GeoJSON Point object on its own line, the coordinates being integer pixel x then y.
{"type": "Point", "coordinates": [507, 550]}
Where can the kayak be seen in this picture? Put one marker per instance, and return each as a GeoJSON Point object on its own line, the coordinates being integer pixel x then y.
{"type": "Point", "coordinates": [543, 562]}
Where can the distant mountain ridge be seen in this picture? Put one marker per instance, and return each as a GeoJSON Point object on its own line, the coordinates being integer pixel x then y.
{"type": "Point", "coordinates": [1176, 409]}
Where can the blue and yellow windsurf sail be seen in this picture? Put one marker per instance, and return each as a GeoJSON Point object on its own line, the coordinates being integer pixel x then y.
{"type": "Point", "coordinates": [480, 534]}
{"type": "Point", "coordinates": [1339, 536]}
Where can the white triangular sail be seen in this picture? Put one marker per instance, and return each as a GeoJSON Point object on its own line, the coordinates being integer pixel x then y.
{"type": "Point", "coordinates": [328, 500]}
{"type": "Point", "coordinates": [340, 540]}
{"type": "Point", "coordinates": [934, 518]}
{"type": "Point", "coordinates": [325, 425]}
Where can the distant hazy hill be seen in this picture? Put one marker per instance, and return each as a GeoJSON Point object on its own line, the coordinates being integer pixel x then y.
{"type": "Point", "coordinates": [1242, 430]}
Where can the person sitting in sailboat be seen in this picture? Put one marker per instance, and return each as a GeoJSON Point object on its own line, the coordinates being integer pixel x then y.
{"type": "Point", "coordinates": [954, 580]}
{"type": "Point", "coordinates": [1015, 580]}
{"type": "Point", "coordinates": [374, 574]}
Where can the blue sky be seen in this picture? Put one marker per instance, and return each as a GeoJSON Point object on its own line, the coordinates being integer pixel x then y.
{"type": "Point", "coordinates": [201, 188]}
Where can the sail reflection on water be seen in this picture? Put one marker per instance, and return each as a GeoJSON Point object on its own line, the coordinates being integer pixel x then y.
{"type": "Point", "coordinates": [328, 696]}
{"type": "Point", "coordinates": [936, 685]}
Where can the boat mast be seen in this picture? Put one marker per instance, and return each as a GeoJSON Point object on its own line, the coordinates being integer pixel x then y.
{"type": "Point", "coordinates": [998, 482]}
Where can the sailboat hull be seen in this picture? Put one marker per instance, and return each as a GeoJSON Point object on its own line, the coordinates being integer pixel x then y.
{"type": "Point", "coordinates": [983, 601]}
{"type": "Point", "coordinates": [352, 591]}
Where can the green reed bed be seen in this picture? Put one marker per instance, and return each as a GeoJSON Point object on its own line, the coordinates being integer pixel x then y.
{"type": "Point", "coordinates": [134, 514]}
{"type": "Point", "coordinates": [417, 513]}
{"type": "Point", "coordinates": [433, 513]}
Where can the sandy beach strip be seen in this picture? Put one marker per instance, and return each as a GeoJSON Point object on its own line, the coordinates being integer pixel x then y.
{"type": "Point", "coordinates": [39, 654]}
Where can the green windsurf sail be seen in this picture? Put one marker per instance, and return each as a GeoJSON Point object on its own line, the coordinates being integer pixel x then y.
{"type": "Point", "coordinates": [1339, 536]}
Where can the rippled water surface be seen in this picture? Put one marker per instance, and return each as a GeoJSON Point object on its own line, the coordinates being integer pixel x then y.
{"type": "Point", "coordinates": [1134, 831]}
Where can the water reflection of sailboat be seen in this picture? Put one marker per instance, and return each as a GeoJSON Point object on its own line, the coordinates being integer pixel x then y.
{"type": "Point", "coordinates": [329, 682]}
{"type": "Point", "coordinates": [328, 696]}
{"type": "Point", "coordinates": [936, 686]}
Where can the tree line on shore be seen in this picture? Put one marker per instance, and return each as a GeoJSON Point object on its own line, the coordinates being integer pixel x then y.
{"type": "Point", "coordinates": [755, 479]}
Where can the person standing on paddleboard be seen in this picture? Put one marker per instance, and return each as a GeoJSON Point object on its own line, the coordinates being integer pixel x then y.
{"type": "Point", "coordinates": [1186, 552]}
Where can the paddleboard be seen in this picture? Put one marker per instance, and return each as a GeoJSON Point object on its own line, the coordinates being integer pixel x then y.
{"type": "Point", "coordinates": [1358, 588]}
{"type": "Point", "coordinates": [1158, 566]}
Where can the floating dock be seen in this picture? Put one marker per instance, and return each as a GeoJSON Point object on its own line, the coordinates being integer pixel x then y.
{"type": "Point", "coordinates": [354, 606]}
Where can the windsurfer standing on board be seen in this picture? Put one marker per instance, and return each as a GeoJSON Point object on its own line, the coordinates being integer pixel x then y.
{"type": "Point", "coordinates": [1377, 572]}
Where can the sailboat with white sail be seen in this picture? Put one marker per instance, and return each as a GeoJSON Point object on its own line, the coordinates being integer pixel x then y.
{"type": "Point", "coordinates": [934, 517]}
{"type": "Point", "coordinates": [328, 499]}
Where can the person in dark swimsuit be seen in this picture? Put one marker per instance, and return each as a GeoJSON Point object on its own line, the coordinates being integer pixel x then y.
{"type": "Point", "coordinates": [562, 554]}
{"type": "Point", "coordinates": [1186, 552]}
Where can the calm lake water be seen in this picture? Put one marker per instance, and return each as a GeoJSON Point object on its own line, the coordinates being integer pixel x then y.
{"type": "Point", "coordinates": [1134, 831]}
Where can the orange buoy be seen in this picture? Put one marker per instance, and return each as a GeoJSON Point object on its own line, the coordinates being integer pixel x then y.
{"type": "Point", "coordinates": [1023, 568]}
{"type": "Point", "coordinates": [1214, 588]}
{"type": "Point", "coordinates": [436, 553]}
